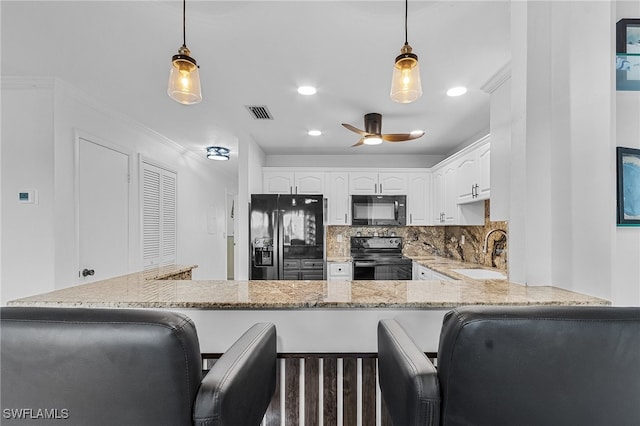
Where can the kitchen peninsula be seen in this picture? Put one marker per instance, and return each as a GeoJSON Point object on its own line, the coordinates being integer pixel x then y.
{"type": "Point", "coordinates": [326, 329]}
{"type": "Point", "coordinates": [311, 316]}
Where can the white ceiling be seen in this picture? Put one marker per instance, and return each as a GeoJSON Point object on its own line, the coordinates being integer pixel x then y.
{"type": "Point", "coordinates": [257, 53]}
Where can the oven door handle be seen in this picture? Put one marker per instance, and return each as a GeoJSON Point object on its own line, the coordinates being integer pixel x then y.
{"type": "Point", "coordinates": [365, 264]}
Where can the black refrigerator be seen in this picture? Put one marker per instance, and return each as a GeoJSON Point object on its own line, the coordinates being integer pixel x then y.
{"type": "Point", "coordinates": [286, 237]}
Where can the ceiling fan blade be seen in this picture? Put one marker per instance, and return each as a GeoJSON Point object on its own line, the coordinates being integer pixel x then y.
{"type": "Point", "coordinates": [360, 142]}
{"type": "Point", "coordinates": [400, 137]}
{"type": "Point", "coordinates": [355, 129]}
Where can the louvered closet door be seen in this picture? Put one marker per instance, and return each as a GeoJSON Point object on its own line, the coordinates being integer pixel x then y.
{"type": "Point", "coordinates": [159, 225]}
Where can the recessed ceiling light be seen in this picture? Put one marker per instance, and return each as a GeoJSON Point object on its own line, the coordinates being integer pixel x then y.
{"type": "Point", "coordinates": [314, 132]}
{"type": "Point", "coordinates": [456, 91]}
{"type": "Point", "coordinates": [307, 90]}
{"type": "Point", "coordinates": [417, 132]}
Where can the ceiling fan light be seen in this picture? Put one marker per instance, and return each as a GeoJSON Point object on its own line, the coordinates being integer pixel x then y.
{"type": "Point", "coordinates": [184, 79]}
{"type": "Point", "coordinates": [372, 140]}
{"type": "Point", "coordinates": [405, 82]}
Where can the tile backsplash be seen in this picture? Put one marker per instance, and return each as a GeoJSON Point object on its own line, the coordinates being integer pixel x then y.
{"type": "Point", "coordinates": [464, 243]}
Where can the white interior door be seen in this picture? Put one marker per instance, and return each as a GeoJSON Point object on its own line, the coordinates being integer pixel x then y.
{"type": "Point", "coordinates": [103, 211]}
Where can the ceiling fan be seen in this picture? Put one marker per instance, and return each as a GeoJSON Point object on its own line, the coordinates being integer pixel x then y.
{"type": "Point", "coordinates": [372, 133]}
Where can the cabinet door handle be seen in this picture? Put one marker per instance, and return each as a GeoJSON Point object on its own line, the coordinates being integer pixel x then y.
{"type": "Point", "coordinates": [296, 189]}
{"type": "Point", "coordinates": [411, 218]}
{"type": "Point", "coordinates": [375, 188]}
{"type": "Point", "coordinates": [381, 188]}
{"type": "Point", "coordinates": [345, 218]}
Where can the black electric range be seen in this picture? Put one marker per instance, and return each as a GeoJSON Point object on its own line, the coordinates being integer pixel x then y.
{"type": "Point", "coordinates": [379, 258]}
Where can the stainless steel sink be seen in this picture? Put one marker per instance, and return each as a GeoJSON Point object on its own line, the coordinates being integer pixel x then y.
{"type": "Point", "coordinates": [481, 274]}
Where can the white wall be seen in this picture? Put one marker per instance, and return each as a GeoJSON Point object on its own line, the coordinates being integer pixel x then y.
{"type": "Point", "coordinates": [38, 135]}
{"type": "Point", "coordinates": [28, 265]}
{"type": "Point", "coordinates": [566, 121]}
{"type": "Point", "coordinates": [251, 159]}
{"type": "Point", "coordinates": [626, 248]}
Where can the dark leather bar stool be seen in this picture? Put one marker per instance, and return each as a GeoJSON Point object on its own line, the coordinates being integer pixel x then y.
{"type": "Point", "coordinates": [76, 366]}
{"type": "Point", "coordinates": [525, 366]}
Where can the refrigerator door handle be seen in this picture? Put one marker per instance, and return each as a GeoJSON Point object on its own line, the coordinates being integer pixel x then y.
{"type": "Point", "coordinates": [278, 247]}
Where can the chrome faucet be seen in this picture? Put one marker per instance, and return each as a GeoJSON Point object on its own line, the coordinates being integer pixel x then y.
{"type": "Point", "coordinates": [486, 239]}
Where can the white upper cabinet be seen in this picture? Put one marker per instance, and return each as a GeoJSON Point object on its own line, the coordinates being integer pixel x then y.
{"type": "Point", "coordinates": [484, 165]}
{"type": "Point", "coordinates": [371, 183]}
{"type": "Point", "coordinates": [277, 182]}
{"type": "Point", "coordinates": [338, 211]}
{"type": "Point", "coordinates": [450, 201]}
{"type": "Point", "coordinates": [418, 196]}
{"type": "Point", "coordinates": [309, 183]}
{"type": "Point", "coordinates": [473, 174]}
{"type": "Point", "coordinates": [445, 208]}
{"type": "Point", "coordinates": [288, 182]}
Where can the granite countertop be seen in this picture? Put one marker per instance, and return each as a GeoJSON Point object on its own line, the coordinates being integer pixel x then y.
{"type": "Point", "coordinates": [139, 291]}
{"type": "Point", "coordinates": [162, 272]}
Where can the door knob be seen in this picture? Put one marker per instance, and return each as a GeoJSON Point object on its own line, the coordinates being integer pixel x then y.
{"type": "Point", "coordinates": [86, 272]}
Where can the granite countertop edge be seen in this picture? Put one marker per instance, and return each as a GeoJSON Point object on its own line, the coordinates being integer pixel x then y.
{"type": "Point", "coordinates": [137, 290]}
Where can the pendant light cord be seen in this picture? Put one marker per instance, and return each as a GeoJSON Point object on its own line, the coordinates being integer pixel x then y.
{"type": "Point", "coordinates": [406, 14]}
{"type": "Point", "coordinates": [184, 23]}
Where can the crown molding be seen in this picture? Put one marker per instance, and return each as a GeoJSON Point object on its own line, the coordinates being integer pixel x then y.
{"type": "Point", "coordinates": [497, 79]}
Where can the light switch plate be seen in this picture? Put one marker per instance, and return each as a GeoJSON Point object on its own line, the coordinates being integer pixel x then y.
{"type": "Point", "coordinates": [29, 196]}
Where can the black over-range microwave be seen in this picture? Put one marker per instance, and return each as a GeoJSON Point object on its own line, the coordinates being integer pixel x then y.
{"type": "Point", "coordinates": [379, 210]}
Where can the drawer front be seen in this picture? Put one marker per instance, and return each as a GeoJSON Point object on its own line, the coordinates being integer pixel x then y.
{"type": "Point", "coordinates": [291, 264]}
{"type": "Point", "coordinates": [339, 271]}
{"type": "Point", "coordinates": [312, 275]}
{"type": "Point", "coordinates": [340, 268]}
{"type": "Point", "coordinates": [291, 275]}
{"type": "Point", "coordinates": [312, 264]}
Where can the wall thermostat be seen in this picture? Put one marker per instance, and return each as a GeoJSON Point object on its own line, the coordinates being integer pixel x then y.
{"type": "Point", "coordinates": [28, 197]}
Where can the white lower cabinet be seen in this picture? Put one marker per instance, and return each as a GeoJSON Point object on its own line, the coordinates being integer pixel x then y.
{"type": "Point", "coordinates": [339, 271]}
{"type": "Point", "coordinates": [421, 272]}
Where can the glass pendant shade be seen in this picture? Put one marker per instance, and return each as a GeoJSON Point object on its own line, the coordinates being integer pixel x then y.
{"type": "Point", "coordinates": [184, 79]}
{"type": "Point", "coordinates": [405, 82]}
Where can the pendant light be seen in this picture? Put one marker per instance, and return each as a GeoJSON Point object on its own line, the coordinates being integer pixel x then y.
{"type": "Point", "coordinates": [184, 80]}
{"type": "Point", "coordinates": [405, 83]}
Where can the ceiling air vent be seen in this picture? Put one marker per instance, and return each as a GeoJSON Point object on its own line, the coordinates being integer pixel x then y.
{"type": "Point", "coordinates": [259, 112]}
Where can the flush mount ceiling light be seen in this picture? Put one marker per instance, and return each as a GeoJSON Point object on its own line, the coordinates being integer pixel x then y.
{"type": "Point", "coordinates": [218, 153]}
{"type": "Point", "coordinates": [405, 83]}
{"type": "Point", "coordinates": [457, 91]}
{"type": "Point", "coordinates": [307, 90]}
{"type": "Point", "coordinates": [314, 133]}
{"type": "Point", "coordinates": [184, 80]}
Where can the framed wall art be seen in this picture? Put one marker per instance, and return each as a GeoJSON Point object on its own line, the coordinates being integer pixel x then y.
{"type": "Point", "coordinates": [628, 186]}
{"type": "Point", "coordinates": [628, 54]}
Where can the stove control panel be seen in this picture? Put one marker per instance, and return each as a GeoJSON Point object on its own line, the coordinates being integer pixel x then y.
{"type": "Point", "coordinates": [376, 242]}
